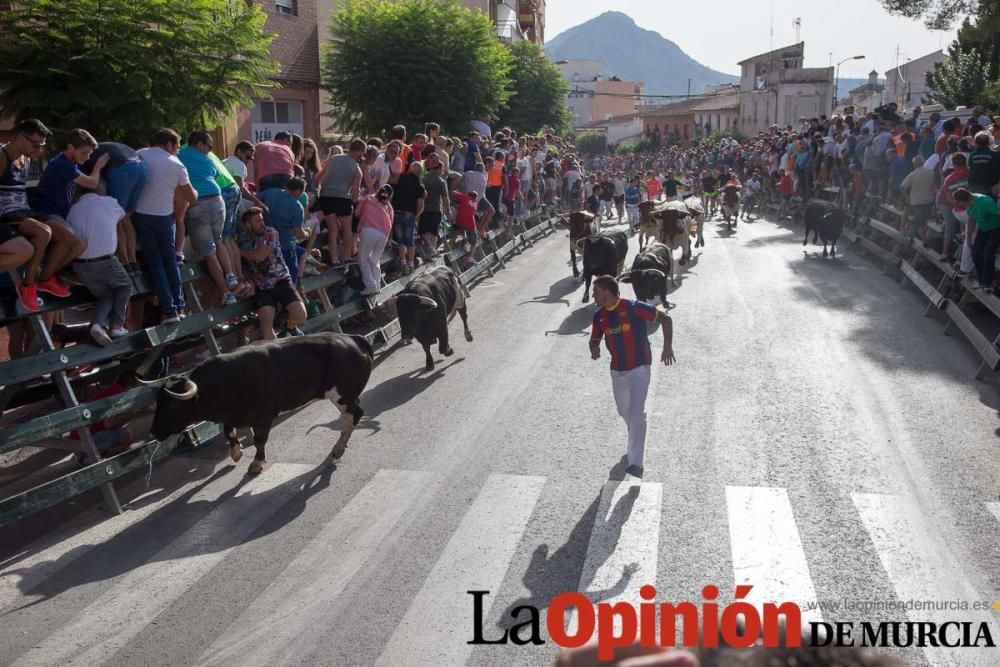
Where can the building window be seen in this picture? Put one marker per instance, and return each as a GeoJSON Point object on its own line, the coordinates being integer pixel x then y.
{"type": "Point", "coordinates": [270, 117]}
{"type": "Point", "coordinates": [287, 7]}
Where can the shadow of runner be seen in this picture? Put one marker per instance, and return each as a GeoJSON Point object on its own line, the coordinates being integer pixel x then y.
{"type": "Point", "coordinates": [563, 571]}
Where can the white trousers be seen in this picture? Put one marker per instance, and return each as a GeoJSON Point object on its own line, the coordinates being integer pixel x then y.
{"type": "Point", "coordinates": [371, 245]}
{"type": "Point", "coordinates": [630, 389]}
{"type": "Point", "coordinates": [633, 216]}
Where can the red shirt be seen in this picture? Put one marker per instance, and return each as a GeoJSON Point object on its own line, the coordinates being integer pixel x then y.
{"type": "Point", "coordinates": [513, 188]}
{"type": "Point", "coordinates": [623, 328]}
{"type": "Point", "coordinates": [272, 158]}
{"type": "Point", "coordinates": [97, 427]}
{"type": "Point", "coordinates": [785, 185]}
{"type": "Point", "coordinates": [941, 146]}
{"type": "Point", "coordinates": [465, 218]}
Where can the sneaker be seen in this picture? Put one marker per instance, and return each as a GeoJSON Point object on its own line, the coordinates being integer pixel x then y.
{"type": "Point", "coordinates": [228, 299]}
{"type": "Point", "coordinates": [27, 299]}
{"type": "Point", "coordinates": [295, 332]}
{"type": "Point", "coordinates": [312, 260]}
{"type": "Point", "coordinates": [54, 287]}
{"type": "Point", "coordinates": [310, 270]}
{"type": "Point", "coordinates": [118, 332]}
{"type": "Point", "coordinates": [232, 281]}
{"type": "Point", "coordinates": [370, 291]}
{"type": "Point", "coordinates": [170, 318]}
{"type": "Point", "coordinates": [180, 257]}
{"type": "Point", "coordinates": [635, 471]}
{"type": "Point", "coordinates": [100, 335]}
{"type": "Point", "coordinates": [407, 269]}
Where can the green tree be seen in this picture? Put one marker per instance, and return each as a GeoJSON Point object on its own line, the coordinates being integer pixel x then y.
{"type": "Point", "coordinates": [411, 62]}
{"type": "Point", "coordinates": [538, 92]}
{"type": "Point", "coordinates": [592, 143]}
{"type": "Point", "coordinates": [122, 68]}
{"type": "Point", "coordinates": [959, 80]}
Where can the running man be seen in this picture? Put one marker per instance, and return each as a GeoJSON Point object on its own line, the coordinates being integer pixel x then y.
{"type": "Point", "coordinates": [622, 325]}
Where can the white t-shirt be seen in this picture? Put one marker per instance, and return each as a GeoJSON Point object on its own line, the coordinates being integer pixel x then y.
{"type": "Point", "coordinates": [379, 172]}
{"type": "Point", "coordinates": [572, 176]}
{"type": "Point", "coordinates": [95, 218]}
{"type": "Point", "coordinates": [166, 174]}
{"type": "Point", "coordinates": [236, 167]}
{"type": "Point", "coordinates": [524, 164]}
{"type": "Point", "coordinates": [620, 185]}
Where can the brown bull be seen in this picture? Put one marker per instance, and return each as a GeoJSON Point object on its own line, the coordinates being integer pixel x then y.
{"type": "Point", "coordinates": [673, 228]}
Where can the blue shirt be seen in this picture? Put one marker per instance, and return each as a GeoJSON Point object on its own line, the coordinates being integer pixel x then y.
{"type": "Point", "coordinates": [898, 169]}
{"type": "Point", "coordinates": [56, 187]}
{"type": "Point", "coordinates": [623, 328]}
{"type": "Point", "coordinates": [201, 170]}
{"type": "Point", "coordinates": [285, 213]}
{"type": "Point", "coordinates": [632, 197]}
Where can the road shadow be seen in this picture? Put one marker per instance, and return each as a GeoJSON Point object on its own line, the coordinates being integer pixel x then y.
{"type": "Point", "coordinates": [562, 570]}
{"type": "Point", "coordinates": [145, 541]}
{"type": "Point", "coordinates": [557, 291]}
{"type": "Point", "coordinates": [394, 392]}
{"type": "Point", "coordinates": [576, 323]}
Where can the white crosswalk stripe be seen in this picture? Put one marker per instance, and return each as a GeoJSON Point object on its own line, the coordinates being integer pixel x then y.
{"type": "Point", "coordinates": [624, 545]}
{"type": "Point", "coordinates": [920, 569]}
{"type": "Point", "coordinates": [435, 629]}
{"type": "Point", "coordinates": [291, 612]}
{"type": "Point", "coordinates": [767, 551]}
{"type": "Point", "coordinates": [136, 598]}
{"type": "Point", "coordinates": [994, 509]}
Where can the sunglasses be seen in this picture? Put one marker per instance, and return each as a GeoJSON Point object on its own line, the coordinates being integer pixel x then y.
{"type": "Point", "coordinates": [36, 144]}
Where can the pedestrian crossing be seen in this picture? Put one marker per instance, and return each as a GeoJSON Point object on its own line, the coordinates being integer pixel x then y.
{"type": "Point", "coordinates": [623, 553]}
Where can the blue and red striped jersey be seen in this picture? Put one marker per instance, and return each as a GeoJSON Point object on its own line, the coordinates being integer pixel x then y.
{"type": "Point", "coordinates": [623, 328]}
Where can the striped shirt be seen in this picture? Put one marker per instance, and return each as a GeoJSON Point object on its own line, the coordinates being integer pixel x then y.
{"type": "Point", "coordinates": [623, 328]}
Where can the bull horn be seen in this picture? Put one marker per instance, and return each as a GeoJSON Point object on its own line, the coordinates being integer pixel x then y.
{"type": "Point", "coordinates": [427, 302]}
{"type": "Point", "coordinates": [659, 274]}
{"type": "Point", "coordinates": [185, 395]}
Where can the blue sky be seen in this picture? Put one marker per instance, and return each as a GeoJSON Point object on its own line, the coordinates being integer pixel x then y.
{"type": "Point", "coordinates": [736, 29]}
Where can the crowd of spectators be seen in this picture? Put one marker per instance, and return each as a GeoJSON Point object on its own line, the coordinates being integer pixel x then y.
{"type": "Point", "coordinates": [103, 211]}
{"type": "Point", "coordinates": [941, 167]}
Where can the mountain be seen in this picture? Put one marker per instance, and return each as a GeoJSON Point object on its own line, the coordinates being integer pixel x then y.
{"type": "Point", "coordinates": [634, 54]}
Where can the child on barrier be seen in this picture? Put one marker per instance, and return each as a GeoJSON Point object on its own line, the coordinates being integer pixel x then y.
{"type": "Point", "coordinates": [465, 224]}
{"type": "Point", "coordinates": [95, 218]}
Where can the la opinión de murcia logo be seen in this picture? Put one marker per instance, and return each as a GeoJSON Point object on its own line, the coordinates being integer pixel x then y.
{"type": "Point", "coordinates": [738, 624]}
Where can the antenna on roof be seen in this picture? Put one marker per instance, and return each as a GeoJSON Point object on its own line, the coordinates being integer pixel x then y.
{"type": "Point", "coordinates": [772, 26]}
{"type": "Point", "coordinates": [798, 29]}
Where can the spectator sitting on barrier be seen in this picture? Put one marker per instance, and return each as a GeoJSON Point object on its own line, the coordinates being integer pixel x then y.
{"type": "Point", "coordinates": [55, 242]}
{"type": "Point", "coordinates": [95, 218]}
{"type": "Point", "coordinates": [272, 276]}
{"type": "Point", "coordinates": [437, 205]}
{"type": "Point", "coordinates": [485, 215]}
{"type": "Point", "coordinates": [286, 215]}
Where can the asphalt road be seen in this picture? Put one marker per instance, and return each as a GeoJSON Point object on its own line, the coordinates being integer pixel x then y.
{"type": "Point", "coordinates": [818, 438]}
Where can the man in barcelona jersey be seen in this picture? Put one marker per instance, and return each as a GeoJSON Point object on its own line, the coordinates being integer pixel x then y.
{"type": "Point", "coordinates": [622, 325]}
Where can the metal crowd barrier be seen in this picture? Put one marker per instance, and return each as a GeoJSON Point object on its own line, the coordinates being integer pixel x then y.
{"type": "Point", "coordinates": [52, 364]}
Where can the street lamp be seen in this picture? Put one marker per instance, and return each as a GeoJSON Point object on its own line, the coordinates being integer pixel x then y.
{"type": "Point", "coordinates": [836, 84]}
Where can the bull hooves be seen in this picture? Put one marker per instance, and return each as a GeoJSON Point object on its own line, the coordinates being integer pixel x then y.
{"type": "Point", "coordinates": [468, 336]}
{"type": "Point", "coordinates": [448, 352]}
{"type": "Point", "coordinates": [256, 468]}
{"type": "Point", "coordinates": [428, 368]}
{"type": "Point", "coordinates": [235, 453]}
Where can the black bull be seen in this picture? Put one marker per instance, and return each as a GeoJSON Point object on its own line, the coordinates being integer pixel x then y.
{"type": "Point", "coordinates": [426, 306]}
{"type": "Point", "coordinates": [603, 254]}
{"type": "Point", "coordinates": [825, 220]}
{"type": "Point", "coordinates": [581, 224]}
{"type": "Point", "coordinates": [252, 385]}
{"type": "Point", "coordinates": [651, 270]}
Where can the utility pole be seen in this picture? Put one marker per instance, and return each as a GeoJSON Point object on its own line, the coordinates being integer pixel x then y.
{"type": "Point", "coordinates": [689, 89]}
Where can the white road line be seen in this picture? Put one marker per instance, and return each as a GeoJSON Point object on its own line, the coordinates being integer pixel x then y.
{"type": "Point", "coordinates": [137, 597]}
{"type": "Point", "coordinates": [994, 509]}
{"type": "Point", "coordinates": [624, 545]}
{"type": "Point", "coordinates": [767, 551]}
{"type": "Point", "coordinates": [438, 623]}
{"type": "Point", "coordinates": [54, 552]}
{"type": "Point", "coordinates": [920, 569]}
{"type": "Point", "coordinates": [296, 606]}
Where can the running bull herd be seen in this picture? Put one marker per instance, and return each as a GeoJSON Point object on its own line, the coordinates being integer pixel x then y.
{"type": "Point", "coordinates": [337, 366]}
